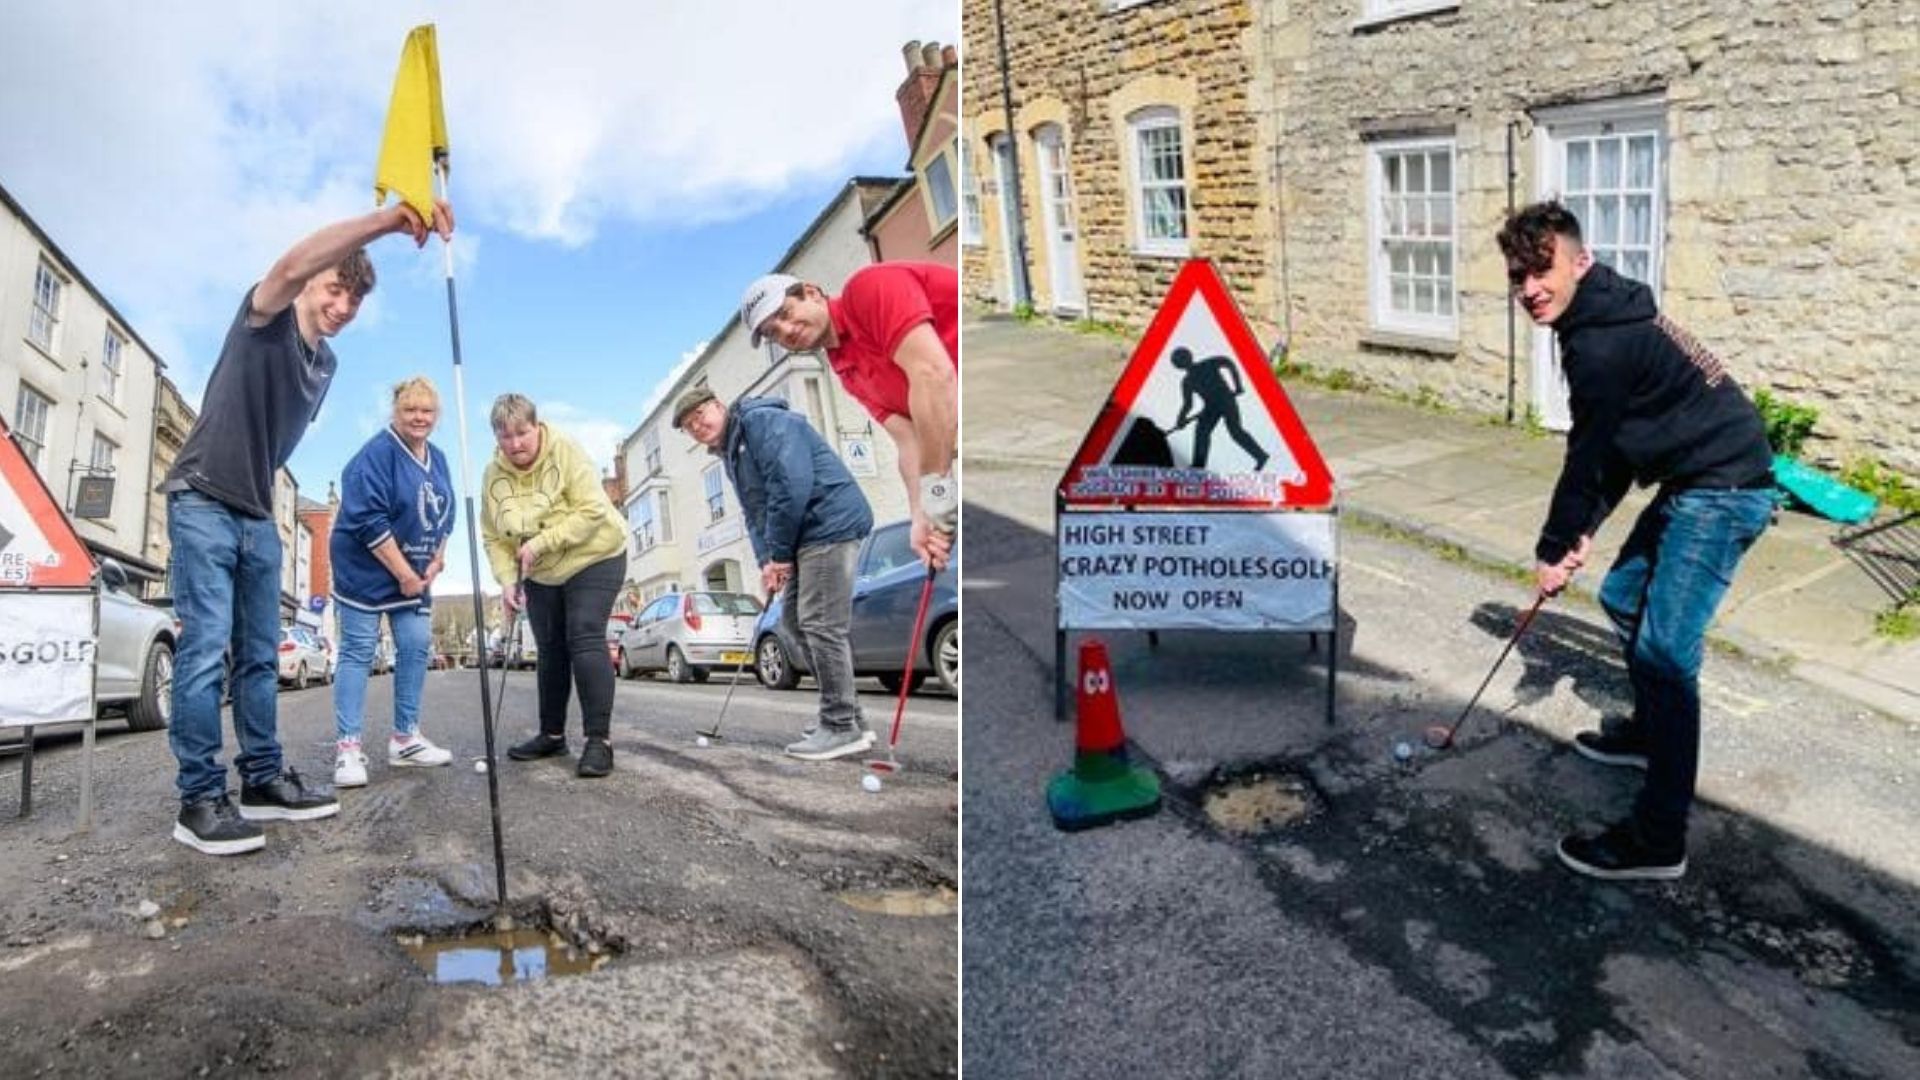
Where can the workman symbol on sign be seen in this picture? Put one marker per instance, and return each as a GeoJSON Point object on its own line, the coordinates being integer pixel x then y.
{"type": "Point", "coordinates": [1207, 380]}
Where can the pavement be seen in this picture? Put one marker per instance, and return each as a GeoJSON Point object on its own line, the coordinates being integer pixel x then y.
{"type": "Point", "coordinates": [1471, 484]}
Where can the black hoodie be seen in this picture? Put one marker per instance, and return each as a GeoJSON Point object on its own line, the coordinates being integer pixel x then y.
{"type": "Point", "coordinates": [1650, 405]}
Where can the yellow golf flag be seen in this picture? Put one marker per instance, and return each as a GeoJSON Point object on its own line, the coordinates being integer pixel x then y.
{"type": "Point", "coordinates": [416, 127]}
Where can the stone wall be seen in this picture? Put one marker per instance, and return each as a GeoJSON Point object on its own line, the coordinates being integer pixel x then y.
{"type": "Point", "coordinates": [1080, 65]}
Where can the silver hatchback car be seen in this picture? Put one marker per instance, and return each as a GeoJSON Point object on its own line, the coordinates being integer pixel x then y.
{"type": "Point", "coordinates": [687, 635]}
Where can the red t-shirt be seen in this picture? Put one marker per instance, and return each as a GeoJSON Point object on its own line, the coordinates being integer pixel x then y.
{"type": "Point", "coordinates": [873, 314]}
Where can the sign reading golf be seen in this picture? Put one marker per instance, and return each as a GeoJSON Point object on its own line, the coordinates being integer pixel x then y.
{"type": "Point", "coordinates": [1210, 571]}
{"type": "Point", "coordinates": [1181, 509]}
{"type": "Point", "coordinates": [46, 602]}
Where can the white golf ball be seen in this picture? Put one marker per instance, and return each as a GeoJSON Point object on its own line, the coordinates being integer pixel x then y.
{"type": "Point", "coordinates": [870, 782]}
{"type": "Point", "coordinates": [480, 766]}
{"type": "Point", "coordinates": [702, 741]}
{"type": "Point", "coordinates": [1403, 750]}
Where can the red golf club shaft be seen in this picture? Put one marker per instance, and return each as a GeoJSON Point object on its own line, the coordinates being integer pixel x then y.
{"type": "Point", "coordinates": [913, 652]}
{"type": "Point", "coordinates": [1525, 621]}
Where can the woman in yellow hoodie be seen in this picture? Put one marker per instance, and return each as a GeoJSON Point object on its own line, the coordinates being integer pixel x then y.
{"type": "Point", "coordinates": [558, 547]}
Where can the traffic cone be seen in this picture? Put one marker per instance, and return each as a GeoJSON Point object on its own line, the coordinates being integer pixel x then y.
{"type": "Point", "coordinates": [1103, 786]}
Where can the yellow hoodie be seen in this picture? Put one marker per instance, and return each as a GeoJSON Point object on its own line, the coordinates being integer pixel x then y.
{"type": "Point", "coordinates": [557, 504]}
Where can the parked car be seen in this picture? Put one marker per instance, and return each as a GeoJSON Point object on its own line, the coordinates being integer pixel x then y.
{"type": "Point", "coordinates": [383, 655]}
{"type": "Point", "coordinates": [133, 671]}
{"type": "Point", "coordinates": [617, 625]}
{"type": "Point", "coordinates": [302, 658]}
{"type": "Point", "coordinates": [522, 652]}
{"type": "Point", "coordinates": [886, 593]}
{"type": "Point", "coordinates": [689, 634]}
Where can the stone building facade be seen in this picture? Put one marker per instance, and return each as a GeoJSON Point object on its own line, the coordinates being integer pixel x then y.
{"type": "Point", "coordinates": [1351, 163]}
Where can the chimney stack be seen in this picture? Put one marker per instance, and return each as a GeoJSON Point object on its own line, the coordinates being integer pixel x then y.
{"type": "Point", "coordinates": [916, 92]}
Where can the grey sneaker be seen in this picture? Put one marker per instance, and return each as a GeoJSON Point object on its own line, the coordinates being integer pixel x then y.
{"type": "Point", "coordinates": [825, 744]}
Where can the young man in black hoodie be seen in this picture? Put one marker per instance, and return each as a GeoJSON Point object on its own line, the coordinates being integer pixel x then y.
{"type": "Point", "coordinates": [1650, 405]}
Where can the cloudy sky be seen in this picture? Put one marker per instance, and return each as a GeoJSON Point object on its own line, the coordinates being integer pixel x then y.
{"type": "Point", "coordinates": [621, 171]}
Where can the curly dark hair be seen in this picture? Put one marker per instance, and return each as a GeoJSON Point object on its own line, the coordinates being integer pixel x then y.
{"type": "Point", "coordinates": [356, 273]}
{"type": "Point", "coordinates": [1527, 236]}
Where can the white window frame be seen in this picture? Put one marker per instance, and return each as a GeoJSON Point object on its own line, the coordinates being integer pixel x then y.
{"type": "Point", "coordinates": [101, 458]}
{"type": "Point", "coordinates": [31, 410]}
{"type": "Point", "coordinates": [641, 522]}
{"type": "Point", "coordinates": [1139, 123]}
{"type": "Point", "coordinates": [940, 216]}
{"type": "Point", "coordinates": [664, 516]}
{"type": "Point", "coordinates": [43, 323]}
{"type": "Point", "coordinates": [715, 481]}
{"type": "Point", "coordinates": [1380, 245]}
{"type": "Point", "coordinates": [972, 221]}
{"type": "Point", "coordinates": [1376, 12]}
{"type": "Point", "coordinates": [650, 448]}
{"type": "Point", "coordinates": [113, 348]}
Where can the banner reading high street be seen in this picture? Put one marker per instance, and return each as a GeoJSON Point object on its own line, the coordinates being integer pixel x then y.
{"type": "Point", "coordinates": [1202, 571]}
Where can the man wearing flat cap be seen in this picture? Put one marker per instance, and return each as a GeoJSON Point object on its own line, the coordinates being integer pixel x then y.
{"type": "Point", "coordinates": [892, 337]}
{"type": "Point", "coordinates": [805, 518]}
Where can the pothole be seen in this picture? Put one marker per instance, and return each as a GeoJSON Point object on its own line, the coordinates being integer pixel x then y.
{"type": "Point", "coordinates": [1260, 803]}
{"type": "Point", "coordinates": [494, 958]}
{"type": "Point", "coordinates": [911, 903]}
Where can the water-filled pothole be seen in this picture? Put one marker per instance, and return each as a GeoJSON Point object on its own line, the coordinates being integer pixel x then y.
{"type": "Point", "coordinates": [1261, 803]}
{"type": "Point", "coordinates": [497, 958]}
{"type": "Point", "coordinates": [918, 903]}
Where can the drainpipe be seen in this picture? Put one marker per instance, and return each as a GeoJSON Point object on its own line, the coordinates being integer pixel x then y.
{"type": "Point", "coordinates": [1022, 285]}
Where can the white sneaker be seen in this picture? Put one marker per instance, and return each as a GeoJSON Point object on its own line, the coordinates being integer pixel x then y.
{"type": "Point", "coordinates": [417, 751]}
{"type": "Point", "coordinates": [350, 767]}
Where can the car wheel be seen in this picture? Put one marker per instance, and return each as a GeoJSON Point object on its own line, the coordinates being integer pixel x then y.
{"type": "Point", "coordinates": [892, 682]}
{"type": "Point", "coordinates": [622, 668]}
{"type": "Point", "coordinates": [946, 656]}
{"type": "Point", "coordinates": [678, 670]}
{"type": "Point", "coordinates": [154, 707]}
{"type": "Point", "coordinates": [300, 677]}
{"type": "Point", "coordinates": [771, 666]}
{"type": "Point", "coordinates": [700, 674]}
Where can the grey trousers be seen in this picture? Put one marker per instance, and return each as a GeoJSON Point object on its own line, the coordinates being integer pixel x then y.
{"type": "Point", "coordinates": [818, 611]}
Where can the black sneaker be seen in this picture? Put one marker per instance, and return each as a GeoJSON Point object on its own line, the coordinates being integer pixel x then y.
{"type": "Point", "coordinates": [1621, 746]}
{"type": "Point", "coordinates": [597, 759]}
{"type": "Point", "coordinates": [1619, 854]}
{"type": "Point", "coordinates": [538, 747]}
{"type": "Point", "coordinates": [287, 798]}
{"type": "Point", "coordinates": [212, 826]}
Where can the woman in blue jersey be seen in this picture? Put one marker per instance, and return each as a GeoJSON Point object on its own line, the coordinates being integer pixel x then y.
{"type": "Point", "coordinates": [396, 512]}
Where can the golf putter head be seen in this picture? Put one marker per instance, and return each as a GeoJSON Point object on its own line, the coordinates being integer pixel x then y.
{"type": "Point", "coordinates": [738, 670]}
{"type": "Point", "coordinates": [891, 764]}
{"type": "Point", "coordinates": [1440, 736]}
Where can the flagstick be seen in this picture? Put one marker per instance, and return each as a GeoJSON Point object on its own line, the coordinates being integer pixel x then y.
{"type": "Point", "coordinates": [473, 563]}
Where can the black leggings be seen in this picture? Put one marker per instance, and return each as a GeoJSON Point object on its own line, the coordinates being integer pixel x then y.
{"type": "Point", "coordinates": [569, 623]}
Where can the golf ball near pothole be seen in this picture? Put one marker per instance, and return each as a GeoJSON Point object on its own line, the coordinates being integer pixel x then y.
{"type": "Point", "coordinates": [701, 741]}
{"type": "Point", "coordinates": [1403, 750]}
{"type": "Point", "coordinates": [480, 766]}
{"type": "Point", "coordinates": [870, 782]}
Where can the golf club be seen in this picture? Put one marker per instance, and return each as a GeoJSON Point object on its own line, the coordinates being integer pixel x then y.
{"type": "Point", "coordinates": [1440, 737]}
{"type": "Point", "coordinates": [728, 700]}
{"type": "Point", "coordinates": [890, 764]}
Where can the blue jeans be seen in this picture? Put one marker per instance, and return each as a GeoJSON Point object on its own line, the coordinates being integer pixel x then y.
{"type": "Point", "coordinates": [225, 571]}
{"type": "Point", "coordinates": [1661, 594]}
{"type": "Point", "coordinates": [359, 639]}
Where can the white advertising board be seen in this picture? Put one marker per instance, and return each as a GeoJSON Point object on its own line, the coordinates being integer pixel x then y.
{"type": "Point", "coordinates": [46, 657]}
{"type": "Point", "coordinates": [1207, 570]}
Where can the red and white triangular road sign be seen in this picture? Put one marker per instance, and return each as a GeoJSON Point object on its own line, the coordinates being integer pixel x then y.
{"type": "Point", "coordinates": [1197, 418]}
{"type": "Point", "coordinates": [38, 547]}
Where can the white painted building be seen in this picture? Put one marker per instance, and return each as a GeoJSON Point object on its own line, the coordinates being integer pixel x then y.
{"type": "Point", "coordinates": [685, 529]}
{"type": "Point", "coordinates": [78, 386]}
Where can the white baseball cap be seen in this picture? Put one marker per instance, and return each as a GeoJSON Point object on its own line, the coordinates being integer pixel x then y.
{"type": "Point", "coordinates": [762, 299]}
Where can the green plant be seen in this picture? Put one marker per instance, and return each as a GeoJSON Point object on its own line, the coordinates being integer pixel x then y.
{"type": "Point", "coordinates": [1339, 379]}
{"type": "Point", "coordinates": [1788, 425]}
{"type": "Point", "coordinates": [1891, 488]}
{"type": "Point", "coordinates": [1531, 424]}
{"type": "Point", "coordinates": [1898, 623]}
{"type": "Point", "coordinates": [1023, 311]}
{"type": "Point", "coordinates": [1099, 328]}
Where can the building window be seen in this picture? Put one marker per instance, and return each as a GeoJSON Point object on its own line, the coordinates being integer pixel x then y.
{"type": "Point", "coordinates": [111, 364]}
{"type": "Point", "coordinates": [939, 180]}
{"type": "Point", "coordinates": [45, 319]}
{"type": "Point", "coordinates": [1374, 11]}
{"type": "Point", "coordinates": [971, 223]}
{"type": "Point", "coordinates": [1411, 277]}
{"type": "Point", "coordinates": [641, 520]}
{"type": "Point", "coordinates": [715, 480]}
{"type": "Point", "coordinates": [665, 518]}
{"type": "Point", "coordinates": [103, 451]}
{"type": "Point", "coordinates": [650, 443]}
{"type": "Point", "coordinates": [1611, 184]}
{"type": "Point", "coordinates": [1160, 181]}
{"type": "Point", "coordinates": [30, 411]}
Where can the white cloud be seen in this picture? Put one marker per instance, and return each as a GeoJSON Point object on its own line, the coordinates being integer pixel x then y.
{"type": "Point", "coordinates": [668, 381]}
{"type": "Point", "coordinates": [174, 150]}
{"type": "Point", "coordinates": [597, 435]}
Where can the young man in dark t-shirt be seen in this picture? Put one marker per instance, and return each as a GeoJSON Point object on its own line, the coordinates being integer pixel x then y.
{"type": "Point", "coordinates": [272, 375]}
{"type": "Point", "coordinates": [893, 338]}
{"type": "Point", "coordinates": [1650, 405]}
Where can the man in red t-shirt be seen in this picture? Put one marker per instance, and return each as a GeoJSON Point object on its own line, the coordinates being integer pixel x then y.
{"type": "Point", "coordinates": [893, 338]}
